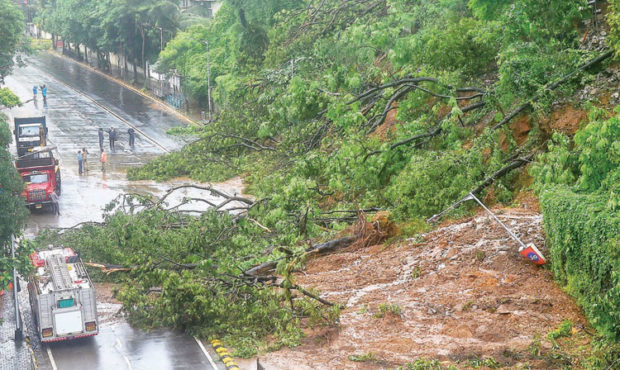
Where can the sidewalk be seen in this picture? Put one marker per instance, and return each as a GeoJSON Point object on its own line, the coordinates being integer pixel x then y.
{"type": "Point", "coordinates": [13, 356]}
{"type": "Point", "coordinates": [114, 75]}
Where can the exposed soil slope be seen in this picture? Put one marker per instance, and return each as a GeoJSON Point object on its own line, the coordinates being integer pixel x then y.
{"type": "Point", "coordinates": [463, 291]}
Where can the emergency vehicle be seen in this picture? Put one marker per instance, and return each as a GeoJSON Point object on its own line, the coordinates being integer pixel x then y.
{"type": "Point", "coordinates": [62, 296]}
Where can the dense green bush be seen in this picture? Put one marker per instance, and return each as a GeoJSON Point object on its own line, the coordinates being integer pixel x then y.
{"type": "Point", "coordinates": [582, 234]}
{"type": "Point", "coordinates": [579, 189]}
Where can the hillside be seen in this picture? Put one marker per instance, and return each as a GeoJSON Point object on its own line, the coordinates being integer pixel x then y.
{"type": "Point", "coordinates": [336, 112]}
{"type": "Point", "coordinates": [458, 294]}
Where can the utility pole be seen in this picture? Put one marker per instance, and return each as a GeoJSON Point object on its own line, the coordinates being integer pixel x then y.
{"type": "Point", "coordinates": [161, 48]}
{"type": "Point", "coordinates": [208, 80]}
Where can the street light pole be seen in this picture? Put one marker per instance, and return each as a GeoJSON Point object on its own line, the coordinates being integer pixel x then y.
{"type": "Point", "coordinates": [208, 80]}
{"type": "Point", "coordinates": [161, 48]}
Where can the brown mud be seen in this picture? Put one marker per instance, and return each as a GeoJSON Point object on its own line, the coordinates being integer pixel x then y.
{"type": "Point", "coordinates": [463, 292]}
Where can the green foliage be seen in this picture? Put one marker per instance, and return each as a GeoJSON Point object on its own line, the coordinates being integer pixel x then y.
{"type": "Point", "coordinates": [388, 308]}
{"type": "Point", "coordinates": [8, 99]}
{"type": "Point", "coordinates": [11, 26]}
{"type": "Point", "coordinates": [457, 46]}
{"type": "Point", "coordinates": [422, 364]}
{"type": "Point", "coordinates": [613, 19]}
{"type": "Point", "coordinates": [564, 330]}
{"type": "Point", "coordinates": [422, 188]}
{"type": "Point", "coordinates": [188, 275]}
{"type": "Point", "coordinates": [599, 157]}
{"type": "Point", "coordinates": [557, 166]}
{"type": "Point", "coordinates": [13, 214]}
{"type": "Point", "coordinates": [488, 362]}
{"type": "Point", "coordinates": [129, 27]}
{"type": "Point", "coordinates": [582, 234]}
{"type": "Point", "coordinates": [286, 74]}
{"type": "Point", "coordinates": [367, 357]}
{"type": "Point", "coordinates": [579, 201]}
{"type": "Point", "coordinates": [41, 44]}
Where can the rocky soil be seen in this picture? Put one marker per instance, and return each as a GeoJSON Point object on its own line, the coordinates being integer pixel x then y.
{"type": "Point", "coordinates": [458, 293]}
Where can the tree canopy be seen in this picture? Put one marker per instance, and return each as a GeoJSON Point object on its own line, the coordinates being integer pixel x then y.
{"type": "Point", "coordinates": [11, 27]}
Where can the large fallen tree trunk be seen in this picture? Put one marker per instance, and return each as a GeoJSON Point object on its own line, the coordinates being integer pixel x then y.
{"type": "Point", "coordinates": [328, 246]}
{"type": "Point", "coordinates": [515, 163]}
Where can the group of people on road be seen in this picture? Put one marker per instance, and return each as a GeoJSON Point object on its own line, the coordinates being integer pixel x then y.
{"type": "Point", "coordinates": [82, 155]}
{"type": "Point", "coordinates": [112, 135]}
{"type": "Point", "coordinates": [82, 158]}
{"type": "Point", "coordinates": [43, 88]}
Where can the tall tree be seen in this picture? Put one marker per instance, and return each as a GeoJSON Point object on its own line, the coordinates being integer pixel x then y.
{"type": "Point", "coordinates": [13, 212]}
{"type": "Point", "coordinates": [11, 26]}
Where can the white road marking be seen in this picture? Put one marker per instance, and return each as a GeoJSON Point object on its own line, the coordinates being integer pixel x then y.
{"type": "Point", "coordinates": [49, 354]}
{"type": "Point", "coordinates": [120, 346]}
{"type": "Point", "coordinates": [206, 353]}
{"type": "Point", "coordinates": [108, 110]}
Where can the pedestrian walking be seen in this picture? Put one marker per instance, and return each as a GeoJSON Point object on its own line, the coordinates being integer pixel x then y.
{"type": "Point", "coordinates": [85, 159]}
{"type": "Point", "coordinates": [34, 92]}
{"type": "Point", "coordinates": [132, 136]}
{"type": "Point", "coordinates": [100, 138]}
{"type": "Point", "coordinates": [112, 137]}
{"type": "Point", "coordinates": [55, 207]}
{"type": "Point", "coordinates": [79, 159]}
{"type": "Point", "coordinates": [103, 158]}
{"type": "Point", "coordinates": [44, 92]}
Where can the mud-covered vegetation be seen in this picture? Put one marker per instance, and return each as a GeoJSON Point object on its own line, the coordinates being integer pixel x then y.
{"type": "Point", "coordinates": [329, 106]}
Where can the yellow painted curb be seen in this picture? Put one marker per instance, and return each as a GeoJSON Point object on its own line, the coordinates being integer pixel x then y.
{"type": "Point", "coordinates": [225, 356]}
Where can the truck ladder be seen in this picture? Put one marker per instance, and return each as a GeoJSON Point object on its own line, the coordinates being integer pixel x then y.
{"type": "Point", "coordinates": [60, 274]}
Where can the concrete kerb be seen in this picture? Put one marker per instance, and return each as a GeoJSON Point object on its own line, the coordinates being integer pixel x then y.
{"type": "Point", "coordinates": [225, 356]}
{"type": "Point", "coordinates": [128, 86]}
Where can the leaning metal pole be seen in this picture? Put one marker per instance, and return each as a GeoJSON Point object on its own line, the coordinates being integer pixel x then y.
{"type": "Point", "coordinates": [498, 221]}
{"type": "Point", "coordinates": [19, 334]}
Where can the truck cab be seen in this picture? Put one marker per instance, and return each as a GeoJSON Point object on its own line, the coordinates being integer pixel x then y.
{"type": "Point", "coordinates": [30, 132]}
{"type": "Point", "coordinates": [41, 175]}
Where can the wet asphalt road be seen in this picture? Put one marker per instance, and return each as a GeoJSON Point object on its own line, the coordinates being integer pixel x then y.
{"type": "Point", "coordinates": [78, 103]}
{"type": "Point", "coordinates": [122, 347]}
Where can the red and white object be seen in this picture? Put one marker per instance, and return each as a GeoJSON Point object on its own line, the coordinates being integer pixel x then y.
{"type": "Point", "coordinates": [528, 251]}
{"type": "Point", "coordinates": [533, 254]}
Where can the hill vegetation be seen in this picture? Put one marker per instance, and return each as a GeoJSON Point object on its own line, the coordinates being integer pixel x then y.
{"type": "Point", "coordinates": [327, 107]}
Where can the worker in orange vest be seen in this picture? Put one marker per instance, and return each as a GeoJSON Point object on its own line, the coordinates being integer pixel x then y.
{"type": "Point", "coordinates": [104, 159]}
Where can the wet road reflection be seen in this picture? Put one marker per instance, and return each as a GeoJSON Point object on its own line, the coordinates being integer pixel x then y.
{"type": "Point", "coordinates": [123, 347]}
{"type": "Point", "coordinates": [79, 102]}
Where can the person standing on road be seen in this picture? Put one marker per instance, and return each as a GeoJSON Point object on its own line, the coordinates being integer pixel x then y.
{"type": "Point", "coordinates": [55, 207]}
{"type": "Point", "coordinates": [44, 92]}
{"type": "Point", "coordinates": [85, 159]}
{"type": "Point", "coordinates": [132, 136]}
{"type": "Point", "coordinates": [103, 158]}
{"type": "Point", "coordinates": [100, 138]}
{"type": "Point", "coordinates": [112, 137]}
{"type": "Point", "coordinates": [79, 158]}
{"type": "Point", "coordinates": [34, 92]}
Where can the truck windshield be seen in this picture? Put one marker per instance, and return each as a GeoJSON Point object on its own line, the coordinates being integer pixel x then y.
{"type": "Point", "coordinates": [29, 131]}
{"type": "Point", "coordinates": [36, 179]}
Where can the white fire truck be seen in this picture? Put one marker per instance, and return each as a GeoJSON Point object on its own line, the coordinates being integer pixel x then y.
{"type": "Point", "coordinates": [62, 296]}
